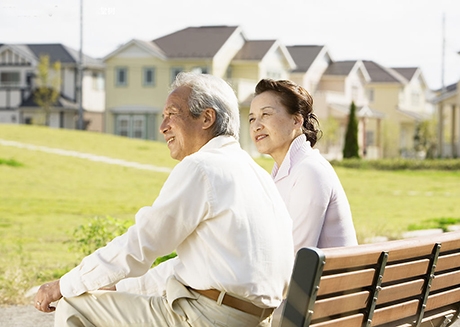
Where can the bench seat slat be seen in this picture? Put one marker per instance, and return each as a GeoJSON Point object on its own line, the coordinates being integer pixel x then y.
{"type": "Point", "coordinates": [346, 281]}
{"type": "Point", "coordinates": [395, 312]}
{"type": "Point", "coordinates": [445, 280]}
{"type": "Point", "coordinates": [350, 321]}
{"type": "Point", "coordinates": [443, 299]}
{"type": "Point", "coordinates": [405, 270]}
{"type": "Point", "coordinates": [400, 291]}
{"type": "Point", "coordinates": [449, 261]}
{"type": "Point", "coordinates": [341, 304]}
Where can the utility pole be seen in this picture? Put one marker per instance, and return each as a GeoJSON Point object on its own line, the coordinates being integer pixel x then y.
{"type": "Point", "coordinates": [80, 72]}
{"type": "Point", "coordinates": [443, 51]}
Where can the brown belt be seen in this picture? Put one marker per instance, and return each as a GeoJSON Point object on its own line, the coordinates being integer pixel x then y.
{"type": "Point", "coordinates": [235, 303]}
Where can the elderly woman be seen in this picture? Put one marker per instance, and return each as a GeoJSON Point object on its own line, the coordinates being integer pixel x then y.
{"type": "Point", "coordinates": [283, 125]}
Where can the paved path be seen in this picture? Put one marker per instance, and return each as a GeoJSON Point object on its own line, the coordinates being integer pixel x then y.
{"type": "Point", "coordinates": [24, 316]}
{"type": "Point", "coordinates": [83, 155]}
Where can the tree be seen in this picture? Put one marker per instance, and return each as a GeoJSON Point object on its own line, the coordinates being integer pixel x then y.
{"type": "Point", "coordinates": [48, 85]}
{"type": "Point", "coordinates": [425, 138]}
{"type": "Point", "coordinates": [351, 148]}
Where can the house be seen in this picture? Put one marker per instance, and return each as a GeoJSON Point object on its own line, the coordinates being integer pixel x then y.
{"type": "Point", "coordinates": [139, 74]}
{"type": "Point", "coordinates": [400, 94]}
{"type": "Point", "coordinates": [390, 102]}
{"type": "Point", "coordinates": [447, 112]}
{"type": "Point", "coordinates": [18, 80]}
{"type": "Point", "coordinates": [333, 86]}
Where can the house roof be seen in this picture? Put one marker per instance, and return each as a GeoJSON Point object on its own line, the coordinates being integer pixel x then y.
{"type": "Point", "coordinates": [340, 68]}
{"type": "Point", "coordinates": [148, 46]}
{"type": "Point", "coordinates": [56, 52]}
{"type": "Point", "coordinates": [254, 50]}
{"type": "Point", "coordinates": [62, 102]}
{"type": "Point", "coordinates": [407, 72]}
{"type": "Point", "coordinates": [381, 74]}
{"type": "Point", "coordinates": [195, 42]}
{"type": "Point", "coordinates": [304, 55]}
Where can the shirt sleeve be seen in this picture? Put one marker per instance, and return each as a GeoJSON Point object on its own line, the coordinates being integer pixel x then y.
{"type": "Point", "coordinates": [181, 205]}
{"type": "Point", "coordinates": [153, 282]}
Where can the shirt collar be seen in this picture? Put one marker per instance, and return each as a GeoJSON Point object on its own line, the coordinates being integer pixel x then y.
{"type": "Point", "coordinates": [219, 142]}
{"type": "Point", "coordinates": [297, 149]}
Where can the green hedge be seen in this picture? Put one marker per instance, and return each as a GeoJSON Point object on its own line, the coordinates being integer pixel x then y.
{"type": "Point", "coordinates": [399, 164]}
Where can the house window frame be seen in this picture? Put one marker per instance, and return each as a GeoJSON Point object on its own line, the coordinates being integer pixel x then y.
{"type": "Point", "coordinates": [200, 70]}
{"type": "Point", "coordinates": [129, 129]}
{"type": "Point", "coordinates": [175, 71]}
{"type": "Point", "coordinates": [145, 71]}
{"type": "Point", "coordinates": [10, 82]}
{"type": "Point", "coordinates": [117, 79]}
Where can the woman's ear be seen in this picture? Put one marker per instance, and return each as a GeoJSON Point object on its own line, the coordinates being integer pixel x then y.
{"type": "Point", "coordinates": [209, 118]}
{"type": "Point", "coordinates": [298, 120]}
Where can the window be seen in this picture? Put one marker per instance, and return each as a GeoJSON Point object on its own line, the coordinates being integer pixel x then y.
{"type": "Point", "coordinates": [10, 78]}
{"type": "Point", "coordinates": [131, 126]}
{"type": "Point", "coordinates": [138, 127]}
{"type": "Point", "coordinates": [122, 125]}
{"type": "Point", "coordinates": [148, 76]}
{"type": "Point", "coordinates": [369, 138]}
{"type": "Point", "coordinates": [354, 93]}
{"type": "Point", "coordinates": [370, 94]}
{"type": "Point", "coordinates": [200, 70]}
{"type": "Point", "coordinates": [415, 98]}
{"type": "Point", "coordinates": [121, 76]}
{"type": "Point", "coordinates": [174, 72]}
{"type": "Point", "coordinates": [98, 81]}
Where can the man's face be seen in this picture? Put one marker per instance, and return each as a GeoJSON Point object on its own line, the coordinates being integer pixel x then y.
{"type": "Point", "coordinates": [182, 132]}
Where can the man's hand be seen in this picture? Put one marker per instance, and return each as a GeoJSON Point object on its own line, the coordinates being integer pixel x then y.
{"type": "Point", "coordinates": [47, 293]}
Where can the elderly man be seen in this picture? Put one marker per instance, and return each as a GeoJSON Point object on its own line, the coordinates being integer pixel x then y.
{"type": "Point", "coordinates": [218, 209]}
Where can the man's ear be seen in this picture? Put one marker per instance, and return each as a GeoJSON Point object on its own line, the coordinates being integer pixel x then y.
{"type": "Point", "coordinates": [209, 118]}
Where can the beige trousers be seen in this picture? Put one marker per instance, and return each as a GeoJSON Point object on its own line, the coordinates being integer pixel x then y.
{"type": "Point", "coordinates": [179, 307]}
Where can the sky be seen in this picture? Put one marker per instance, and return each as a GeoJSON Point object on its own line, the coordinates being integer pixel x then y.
{"type": "Point", "coordinates": [393, 33]}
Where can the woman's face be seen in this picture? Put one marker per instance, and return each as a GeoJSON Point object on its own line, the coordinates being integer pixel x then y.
{"type": "Point", "coordinates": [271, 127]}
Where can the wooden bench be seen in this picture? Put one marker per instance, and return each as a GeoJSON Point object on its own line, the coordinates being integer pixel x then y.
{"type": "Point", "coordinates": [411, 282]}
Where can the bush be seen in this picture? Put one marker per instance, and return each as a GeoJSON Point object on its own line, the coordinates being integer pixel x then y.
{"type": "Point", "coordinates": [399, 164]}
{"type": "Point", "coordinates": [100, 231]}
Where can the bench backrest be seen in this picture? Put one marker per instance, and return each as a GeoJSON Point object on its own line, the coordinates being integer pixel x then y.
{"type": "Point", "coordinates": [412, 282]}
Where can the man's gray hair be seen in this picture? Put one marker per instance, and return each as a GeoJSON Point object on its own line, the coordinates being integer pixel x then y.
{"type": "Point", "coordinates": [208, 91]}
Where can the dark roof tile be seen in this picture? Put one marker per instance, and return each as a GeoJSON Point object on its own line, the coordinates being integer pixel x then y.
{"type": "Point", "coordinates": [304, 55]}
{"type": "Point", "coordinates": [254, 50]}
{"type": "Point", "coordinates": [195, 42]}
{"type": "Point", "coordinates": [380, 74]}
{"type": "Point", "coordinates": [340, 68]}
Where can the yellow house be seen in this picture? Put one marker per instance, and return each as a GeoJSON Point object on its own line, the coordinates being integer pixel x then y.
{"type": "Point", "coordinates": [139, 73]}
{"type": "Point", "coordinates": [400, 94]}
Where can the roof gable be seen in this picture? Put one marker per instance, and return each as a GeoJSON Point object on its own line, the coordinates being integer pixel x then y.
{"type": "Point", "coordinates": [254, 50]}
{"type": "Point", "coordinates": [304, 55]}
{"type": "Point", "coordinates": [195, 42]}
{"type": "Point", "coordinates": [340, 68]}
{"type": "Point", "coordinates": [381, 74]}
{"type": "Point", "coordinates": [147, 46]}
{"type": "Point", "coordinates": [407, 72]}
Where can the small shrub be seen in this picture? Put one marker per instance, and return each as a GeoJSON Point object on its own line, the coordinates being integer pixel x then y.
{"type": "Point", "coordinates": [400, 164]}
{"type": "Point", "coordinates": [100, 231]}
{"type": "Point", "coordinates": [10, 162]}
{"type": "Point", "coordinates": [442, 223]}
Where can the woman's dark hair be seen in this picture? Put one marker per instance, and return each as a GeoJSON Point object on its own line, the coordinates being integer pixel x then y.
{"type": "Point", "coordinates": [297, 101]}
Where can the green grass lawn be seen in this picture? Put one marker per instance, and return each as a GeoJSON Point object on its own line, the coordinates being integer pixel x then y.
{"type": "Point", "coordinates": [44, 197]}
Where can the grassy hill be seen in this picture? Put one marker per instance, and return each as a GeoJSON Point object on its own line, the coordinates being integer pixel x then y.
{"type": "Point", "coordinates": [44, 197]}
